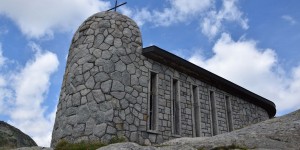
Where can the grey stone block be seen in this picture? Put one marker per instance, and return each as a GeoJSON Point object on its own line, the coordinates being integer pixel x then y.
{"type": "Point", "coordinates": [98, 96]}
{"type": "Point", "coordinates": [90, 83]}
{"type": "Point", "coordinates": [118, 95]}
{"type": "Point", "coordinates": [117, 86]}
{"type": "Point", "coordinates": [100, 130]}
{"type": "Point", "coordinates": [111, 130]}
{"type": "Point", "coordinates": [106, 86]}
{"type": "Point", "coordinates": [120, 66]}
{"type": "Point", "coordinates": [109, 67]}
{"type": "Point", "coordinates": [131, 68]}
{"type": "Point", "coordinates": [101, 76]}
{"type": "Point", "coordinates": [98, 41]}
{"type": "Point", "coordinates": [109, 40]}
{"type": "Point", "coordinates": [87, 66]}
{"type": "Point", "coordinates": [76, 99]}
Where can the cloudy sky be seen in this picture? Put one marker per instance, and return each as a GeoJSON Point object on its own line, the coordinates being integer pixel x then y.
{"type": "Point", "coordinates": [253, 43]}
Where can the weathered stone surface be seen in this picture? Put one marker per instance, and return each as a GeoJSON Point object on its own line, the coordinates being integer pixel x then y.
{"type": "Point", "coordinates": [120, 66]}
{"type": "Point", "coordinates": [117, 86]}
{"type": "Point", "coordinates": [34, 148]}
{"type": "Point", "coordinates": [76, 99]}
{"type": "Point", "coordinates": [111, 130]}
{"type": "Point", "coordinates": [109, 39]}
{"type": "Point", "coordinates": [277, 133]}
{"type": "Point", "coordinates": [109, 115]}
{"type": "Point", "coordinates": [131, 68]}
{"type": "Point", "coordinates": [98, 96]}
{"type": "Point", "coordinates": [109, 67]}
{"type": "Point", "coordinates": [126, 59]}
{"type": "Point", "coordinates": [100, 130]}
{"type": "Point", "coordinates": [87, 66]}
{"type": "Point", "coordinates": [127, 32]}
{"type": "Point", "coordinates": [99, 118]}
{"type": "Point", "coordinates": [11, 137]}
{"type": "Point", "coordinates": [106, 54]}
{"type": "Point", "coordinates": [84, 114]}
{"type": "Point", "coordinates": [90, 83]}
{"type": "Point", "coordinates": [101, 76]}
{"type": "Point", "coordinates": [106, 86]}
{"type": "Point", "coordinates": [124, 104]}
{"type": "Point", "coordinates": [98, 41]}
{"type": "Point", "coordinates": [118, 95]}
{"type": "Point", "coordinates": [143, 80]}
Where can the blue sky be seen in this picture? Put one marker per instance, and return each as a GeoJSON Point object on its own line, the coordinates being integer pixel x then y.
{"type": "Point", "coordinates": [254, 44]}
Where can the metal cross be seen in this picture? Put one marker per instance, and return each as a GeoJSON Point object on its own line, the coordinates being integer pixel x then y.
{"type": "Point", "coordinates": [116, 6]}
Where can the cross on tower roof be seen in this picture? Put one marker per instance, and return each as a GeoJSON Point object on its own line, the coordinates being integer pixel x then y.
{"type": "Point", "coordinates": [116, 6]}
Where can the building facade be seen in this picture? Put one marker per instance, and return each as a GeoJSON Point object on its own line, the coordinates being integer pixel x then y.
{"type": "Point", "coordinates": [113, 87]}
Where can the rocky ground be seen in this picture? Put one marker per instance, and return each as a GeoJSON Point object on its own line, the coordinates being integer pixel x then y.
{"type": "Point", "coordinates": [11, 137]}
{"type": "Point", "coordinates": [282, 133]}
{"type": "Point", "coordinates": [34, 148]}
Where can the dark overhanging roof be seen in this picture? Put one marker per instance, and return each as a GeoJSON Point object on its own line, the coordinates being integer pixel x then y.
{"type": "Point", "coordinates": [164, 57]}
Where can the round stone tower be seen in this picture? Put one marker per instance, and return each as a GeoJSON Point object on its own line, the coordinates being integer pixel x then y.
{"type": "Point", "coordinates": [104, 90]}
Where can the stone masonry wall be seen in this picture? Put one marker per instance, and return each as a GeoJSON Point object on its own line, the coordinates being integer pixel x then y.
{"type": "Point", "coordinates": [106, 83]}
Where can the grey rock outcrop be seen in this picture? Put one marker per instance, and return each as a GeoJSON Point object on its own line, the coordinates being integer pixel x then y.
{"type": "Point", "coordinates": [11, 137]}
{"type": "Point", "coordinates": [134, 146]}
{"type": "Point", "coordinates": [280, 133]}
{"type": "Point", "coordinates": [34, 148]}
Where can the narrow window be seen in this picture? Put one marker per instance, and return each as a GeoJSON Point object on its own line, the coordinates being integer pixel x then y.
{"type": "Point", "coordinates": [153, 102]}
{"type": "Point", "coordinates": [175, 107]}
{"type": "Point", "coordinates": [196, 110]}
{"type": "Point", "coordinates": [213, 113]}
{"type": "Point", "coordinates": [229, 114]}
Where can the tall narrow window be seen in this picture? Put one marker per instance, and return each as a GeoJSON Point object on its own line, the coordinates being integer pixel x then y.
{"type": "Point", "coordinates": [213, 113]}
{"type": "Point", "coordinates": [176, 107]}
{"type": "Point", "coordinates": [196, 110]}
{"type": "Point", "coordinates": [153, 102]}
{"type": "Point", "coordinates": [229, 114]}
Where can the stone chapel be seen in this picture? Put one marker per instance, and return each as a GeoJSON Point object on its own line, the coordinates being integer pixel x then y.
{"type": "Point", "coordinates": [113, 87]}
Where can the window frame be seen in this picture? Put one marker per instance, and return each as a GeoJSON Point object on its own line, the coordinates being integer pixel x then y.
{"type": "Point", "coordinates": [152, 120]}
{"type": "Point", "coordinates": [176, 119]}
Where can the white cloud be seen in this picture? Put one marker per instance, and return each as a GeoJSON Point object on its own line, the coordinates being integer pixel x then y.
{"type": "Point", "coordinates": [5, 94]}
{"type": "Point", "coordinates": [38, 18]}
{"type": "Point", "coordinates": [179, 11]}
{"type": "Point", "coordinates": [243, 63]}
{"type": "Point", "coordinates": [191, 6]}
{"type": "Point", "coordinates": [140, 16]}
{"type": "Point", "coordinates": [2, 58]}
{"type": "Point", "coordinates": [212, 23]}
{"type": "Point", "coordinates": [23, 96]}
{"type": "Point", "coordinates": [211, 19]}
{"type": "Point", "coordinates": [289, 19]}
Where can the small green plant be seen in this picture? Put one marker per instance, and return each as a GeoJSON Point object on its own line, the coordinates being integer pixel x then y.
{"type": "Point", "coordinates": [163, 145]}
{"type": "Point", "coordinates": [117, 139]}
{"type": "Point", "coordinates": [230, 147]}
{"type": "Point", "coordinates": [64, 145]}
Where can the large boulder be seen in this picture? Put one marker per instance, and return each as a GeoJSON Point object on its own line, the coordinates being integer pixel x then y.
{"type": "Point", "coordinates": [277, 133]}
{"type": "Point", "coordinates": [11, 137]}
